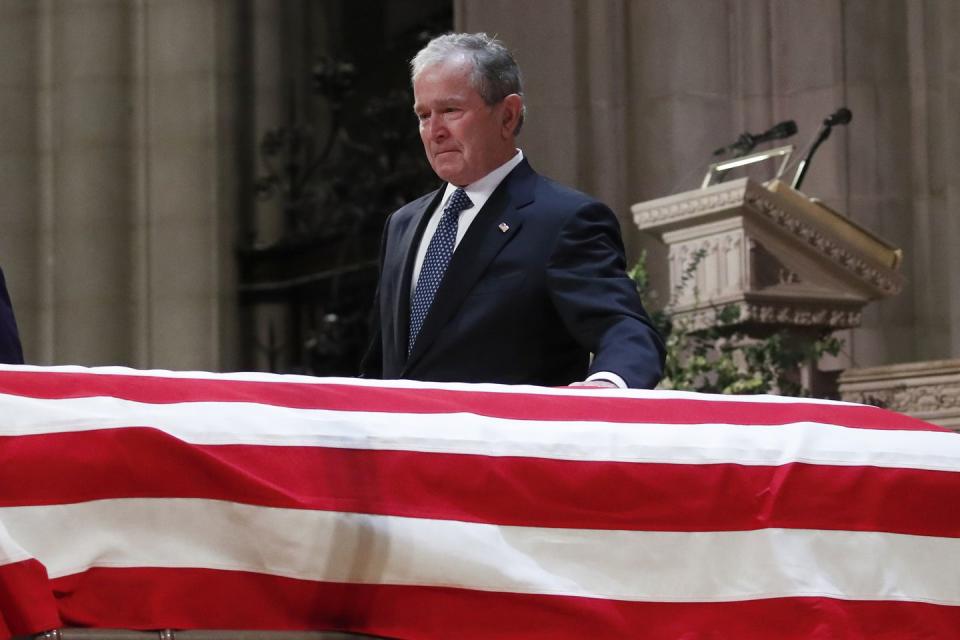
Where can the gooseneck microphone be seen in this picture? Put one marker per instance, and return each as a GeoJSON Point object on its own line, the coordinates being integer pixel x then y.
{"type": "Point", "coordinates": [839, 117]}
{"type": "Point", "coordinates": [747, 141]}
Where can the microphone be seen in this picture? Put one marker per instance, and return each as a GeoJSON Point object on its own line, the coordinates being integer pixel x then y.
{"type": "Point", "coordinates": [747, 141]}
{"type": "Point", "coordinates": [839, 117]}
{"type": "Point", "coordinates": [778, 131]}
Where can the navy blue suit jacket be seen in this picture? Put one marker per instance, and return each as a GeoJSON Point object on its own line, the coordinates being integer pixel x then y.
{"type": "Point", "coordinates": [10, 351]}
{"type": "Point", "coordinates": [524, 305]}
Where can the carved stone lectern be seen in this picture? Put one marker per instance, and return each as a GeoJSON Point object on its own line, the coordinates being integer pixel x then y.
{"type": "Point", "coordinates": [783, 259]}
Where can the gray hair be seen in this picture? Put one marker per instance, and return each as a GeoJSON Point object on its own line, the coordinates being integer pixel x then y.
{"type": "Point", "coordinates": [495, 72]}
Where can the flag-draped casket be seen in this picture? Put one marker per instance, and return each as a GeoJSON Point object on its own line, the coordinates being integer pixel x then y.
{"type": "Point", "coordinates": [134, 499]}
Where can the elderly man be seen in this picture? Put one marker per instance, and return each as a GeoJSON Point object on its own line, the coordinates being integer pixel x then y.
{"type": "Point", "coordinates": [10, 351]}
{"type": "Point", "coordinates": [501, 275]}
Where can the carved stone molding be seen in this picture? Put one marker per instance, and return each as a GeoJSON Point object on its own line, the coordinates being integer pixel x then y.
{"type": "Point", "coordinates": [830, 317]}
{"type": "Point", "coordinates": [888, 283]}
{"type": "Point", "coordinates": [782, 257]}
{"type": "Point", "coordinates": [721, 272]}
{"type": "Point", "coordinates": [803, 316]}
{"type": "Point", "coordinates": [678, 209]}
{"type": "Point", "coordinates": [927, 390]}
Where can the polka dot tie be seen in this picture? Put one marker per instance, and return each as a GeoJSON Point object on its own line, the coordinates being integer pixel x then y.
{"type": "Point", "coordinates": [435, 262]}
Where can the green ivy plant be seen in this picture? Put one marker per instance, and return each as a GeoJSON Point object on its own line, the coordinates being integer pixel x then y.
{"type": "Point", "coordinates": [722, 358]}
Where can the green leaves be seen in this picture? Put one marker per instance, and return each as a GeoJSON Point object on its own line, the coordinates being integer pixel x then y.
{"type": "Point", "coordinates": [724, 357]}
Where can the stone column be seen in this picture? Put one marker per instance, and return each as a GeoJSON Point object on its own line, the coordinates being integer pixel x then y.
{"type": "Point", "coordinates": [19, 175]}
{"type": "Point", "coordinates": [82, 255]}
{"type": "Point", "coordinates": [121, 176]}
{"type": "Point", "coordinates": [184, 154]}
{"type": "Point", "coordinates": [933, 150]}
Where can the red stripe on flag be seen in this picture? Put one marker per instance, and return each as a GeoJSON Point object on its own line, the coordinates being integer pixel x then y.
{"type": "Point", "coordinates": [150, 598]}
{"type": "Point", "coordinates": [26, 603]}
{"type": "Point", "coordinates": [473, 488]}
{"type": "Point", "coordinates": [517, 406]}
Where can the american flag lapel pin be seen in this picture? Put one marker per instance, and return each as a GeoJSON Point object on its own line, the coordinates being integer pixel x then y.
{"type": "Point", "coordinates": [504, 227]}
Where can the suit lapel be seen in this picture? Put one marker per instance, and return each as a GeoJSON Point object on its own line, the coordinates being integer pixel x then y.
{"type": "Point", "coordinates": [479, 246]}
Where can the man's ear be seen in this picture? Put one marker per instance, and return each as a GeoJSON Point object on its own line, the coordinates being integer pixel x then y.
{"type": "Point", "coordinates": [512, 106]}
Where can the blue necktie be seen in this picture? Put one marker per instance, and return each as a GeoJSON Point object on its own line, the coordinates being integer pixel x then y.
{"type": "Point", "coordinates": [435, 263]}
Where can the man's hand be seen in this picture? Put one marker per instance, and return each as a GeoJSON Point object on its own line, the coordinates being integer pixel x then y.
{"type": "Point", "coordinates": [605, 384]}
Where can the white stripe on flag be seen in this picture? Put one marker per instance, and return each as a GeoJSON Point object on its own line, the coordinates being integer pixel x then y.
{"type": "Point", "coordinates": [10, 550]}
{"type": "Point", "coordinates": [372, 549]}
{"type": "Point", "coordinates": [466, 433]}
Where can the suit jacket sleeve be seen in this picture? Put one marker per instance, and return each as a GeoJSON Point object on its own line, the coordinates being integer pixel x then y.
{"type": "Point", "coordinates": [598, 302]}
{"type": "Point", "coordinates": [10, 350]}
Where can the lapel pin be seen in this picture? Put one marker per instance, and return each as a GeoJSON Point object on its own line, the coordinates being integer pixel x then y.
{"type": "Point", "coordinates": [504, 227]}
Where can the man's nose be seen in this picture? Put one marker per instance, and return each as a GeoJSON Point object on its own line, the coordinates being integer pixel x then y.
{"type": "Point", "coordinates": [436, 130]}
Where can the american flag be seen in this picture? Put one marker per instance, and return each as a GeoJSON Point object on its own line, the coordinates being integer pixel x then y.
{"type": "Point", "coordinates": [156, 499]}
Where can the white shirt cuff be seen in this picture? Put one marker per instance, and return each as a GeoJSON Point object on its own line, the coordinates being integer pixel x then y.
{"type": "Point", "coordinates": [609, 377]}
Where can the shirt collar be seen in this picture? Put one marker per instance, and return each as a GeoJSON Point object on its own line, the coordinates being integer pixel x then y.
{"type": "Point", "coordinates": [481, 190]}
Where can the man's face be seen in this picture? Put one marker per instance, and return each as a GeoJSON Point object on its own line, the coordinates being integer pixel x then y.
{"type": "Point", "coordinates": [464, 138]}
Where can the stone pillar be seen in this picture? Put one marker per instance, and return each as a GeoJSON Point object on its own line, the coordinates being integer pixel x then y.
{"type": "Point", "coordinates": [273, 98]}
{"type": "Point", "coordinates": [120, 178]}
{"type": "Point", "coordinates": [184, 155]}
{"type": "Point", "coordinates": [86, 186]}
{"type": "Point", "coordinates": [933, 150]}
{"type": "Point", "coordinates": [19, 175]}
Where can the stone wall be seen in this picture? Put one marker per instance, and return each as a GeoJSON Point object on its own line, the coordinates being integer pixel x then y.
{"type": "Point", "coordinates": [627, 99]}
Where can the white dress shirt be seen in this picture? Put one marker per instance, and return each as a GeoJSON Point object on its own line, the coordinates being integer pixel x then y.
{"type": "Point", "coordinates": [478, 192]}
